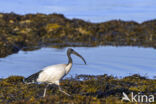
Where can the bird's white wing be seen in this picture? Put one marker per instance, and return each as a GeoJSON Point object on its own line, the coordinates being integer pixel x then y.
{"type": "Point", "coordinates": [52, 74]}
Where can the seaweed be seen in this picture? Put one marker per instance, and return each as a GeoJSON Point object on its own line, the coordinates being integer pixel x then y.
{"type": "Point", "coordinates": [18, 32]}
{"type": "Point", "coordinates": [84, 89]}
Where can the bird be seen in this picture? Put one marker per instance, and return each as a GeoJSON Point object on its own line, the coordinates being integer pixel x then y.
{"type": "Point", "coordinates": [54, 74]}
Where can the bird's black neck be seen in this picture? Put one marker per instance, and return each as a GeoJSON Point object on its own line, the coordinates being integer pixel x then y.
{"type": "Point", "coordinates": [69, 58]}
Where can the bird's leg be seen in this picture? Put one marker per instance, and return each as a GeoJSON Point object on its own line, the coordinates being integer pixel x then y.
{"type": "Point", "coordinates": [60, 89]}
{"type": "Point", "coordinates": [45, 90]}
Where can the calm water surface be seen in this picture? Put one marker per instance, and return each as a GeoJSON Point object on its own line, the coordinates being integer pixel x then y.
{"type": "Point", "coordinates": [89, 10]}
{"type": "Point", "coordinates": [117, 61]}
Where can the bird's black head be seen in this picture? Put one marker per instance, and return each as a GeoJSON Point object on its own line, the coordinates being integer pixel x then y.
{"type": "Point", "coordinates": [71, 51]}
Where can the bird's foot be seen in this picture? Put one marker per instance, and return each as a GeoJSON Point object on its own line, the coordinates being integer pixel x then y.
{"type": "Point", "coordinates": [65, 93]}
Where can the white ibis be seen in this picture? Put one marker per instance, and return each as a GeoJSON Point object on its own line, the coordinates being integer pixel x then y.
{"type": "Point", "coordinates": [54, 73]}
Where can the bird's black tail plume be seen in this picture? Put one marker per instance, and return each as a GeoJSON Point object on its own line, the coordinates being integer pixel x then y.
{"type": "Point", "coordinates": [32, 78]}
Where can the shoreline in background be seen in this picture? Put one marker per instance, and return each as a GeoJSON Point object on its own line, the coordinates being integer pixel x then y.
{"type": "Point", "coordinates": [19, 32]}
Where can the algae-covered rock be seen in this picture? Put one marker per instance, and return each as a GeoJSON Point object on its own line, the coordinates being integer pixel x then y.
{"type": "Point", "coordinates": [84, 89]}
{"type": "Point", "coordinates": [54, 29]}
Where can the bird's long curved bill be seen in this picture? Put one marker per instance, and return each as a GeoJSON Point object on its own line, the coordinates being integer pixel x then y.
{"type": "Point", "coordinates": [79, 56]}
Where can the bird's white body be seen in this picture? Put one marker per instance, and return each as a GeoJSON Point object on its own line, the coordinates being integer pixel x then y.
{"type": "Point", "coordinates": [52, 74]}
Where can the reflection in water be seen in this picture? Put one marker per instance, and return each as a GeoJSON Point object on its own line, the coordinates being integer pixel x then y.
{"type": "Point", "coordinates": [118, 61]}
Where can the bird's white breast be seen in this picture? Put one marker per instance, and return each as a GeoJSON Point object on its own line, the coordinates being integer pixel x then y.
{"type": "Point", "coordinates": [52, 74]}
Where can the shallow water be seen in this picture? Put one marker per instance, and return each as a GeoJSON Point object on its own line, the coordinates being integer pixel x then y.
{"type": "Point", "coordinates": [117, 61]}
{"type": "Point", "coordinates": [90, 10]}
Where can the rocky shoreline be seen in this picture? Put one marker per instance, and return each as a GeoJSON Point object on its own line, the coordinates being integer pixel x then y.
{"type": "Point", "coordinates": [24, 32]}
{"type": "Point", "coordinates": [84, 89]}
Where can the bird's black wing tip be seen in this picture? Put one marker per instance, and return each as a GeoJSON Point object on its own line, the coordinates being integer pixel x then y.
{"type": "Point", "coordinates": [32, 78]}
